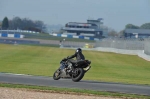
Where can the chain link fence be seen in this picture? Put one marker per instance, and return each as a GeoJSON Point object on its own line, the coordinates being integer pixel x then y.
{"type": "Point", "coordinates": [77, 44]}
{"type": "Point", "coordinates": [147, 46]}
{"type": "Point", "coordinates": [127, 44]}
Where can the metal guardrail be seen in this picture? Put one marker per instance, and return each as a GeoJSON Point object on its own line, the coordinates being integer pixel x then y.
{"type": "Point", "coordinates": [17, 31]}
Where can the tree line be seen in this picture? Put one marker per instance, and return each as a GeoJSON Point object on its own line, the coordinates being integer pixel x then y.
{"type": "Point", "coordinates": [23, 24]}
{"type": "Point", "coordinates": [39, 26]}
{"type": "Point", "coordinates": [143, 26]}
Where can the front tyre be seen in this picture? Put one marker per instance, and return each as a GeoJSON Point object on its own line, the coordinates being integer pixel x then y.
{"type": "Point", "coordinates": [56, 75]}
{"type": "Point", "coordinates": [78, 74]}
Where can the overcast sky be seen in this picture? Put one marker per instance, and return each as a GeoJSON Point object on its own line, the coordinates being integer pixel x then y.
{"type": "Point", "coordinates": [116, 13]}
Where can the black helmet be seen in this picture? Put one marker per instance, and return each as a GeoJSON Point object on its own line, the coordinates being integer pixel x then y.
{"type": "Point", "coordinates": [78, 50]}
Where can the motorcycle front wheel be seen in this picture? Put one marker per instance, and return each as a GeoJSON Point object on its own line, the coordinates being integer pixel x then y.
{"type": "Point", "coordinates": [78, 74]}
{"type": "Point", "coordinates": [56, 75]}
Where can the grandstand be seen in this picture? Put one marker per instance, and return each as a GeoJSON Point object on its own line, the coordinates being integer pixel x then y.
{"type": "Point", "coordinates": [90, 29]}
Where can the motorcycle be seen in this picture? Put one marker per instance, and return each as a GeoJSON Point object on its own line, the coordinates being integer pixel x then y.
{"type": "Point", "coordinates": [72, 70]}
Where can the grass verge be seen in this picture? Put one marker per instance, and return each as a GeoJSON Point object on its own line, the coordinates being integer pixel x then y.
{"type": "Point", "coordinates": [43, 61]}
{"type": "Point", "coordinates": [74, 91]}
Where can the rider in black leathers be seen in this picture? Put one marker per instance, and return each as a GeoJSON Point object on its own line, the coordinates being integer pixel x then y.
{"type": "Point", "coordinates": [79, 56]}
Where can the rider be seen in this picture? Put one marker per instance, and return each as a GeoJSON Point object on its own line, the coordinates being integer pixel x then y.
{"type": "Point", "coordinates": [79, 56]}
{"type": "Point", "coordinates": [80, 59]}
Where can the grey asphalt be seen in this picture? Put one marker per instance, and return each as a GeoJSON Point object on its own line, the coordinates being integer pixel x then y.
{"type": "Point", "coordinates": [68, 83]}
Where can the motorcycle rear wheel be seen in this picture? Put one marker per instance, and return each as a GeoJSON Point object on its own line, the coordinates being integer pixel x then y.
{"type": "Point", "coordinates": [79, 74]}
{"type": "Point", "coordinates": [56, 75]}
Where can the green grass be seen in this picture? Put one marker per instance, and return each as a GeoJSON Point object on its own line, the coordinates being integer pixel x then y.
{"type": "Point", "coordinates": [75, 91]}
{"type": "Point", "coordinates": [41, 60]}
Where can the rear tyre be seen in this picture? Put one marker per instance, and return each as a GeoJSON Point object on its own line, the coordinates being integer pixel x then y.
{"type": "Point", "coordinates": [78, 75]}
{"type": "Point", "coordinates": [56, 75]}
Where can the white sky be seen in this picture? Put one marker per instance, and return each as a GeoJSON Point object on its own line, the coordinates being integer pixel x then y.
{"type": "Point", "coordinates": [116, 13]}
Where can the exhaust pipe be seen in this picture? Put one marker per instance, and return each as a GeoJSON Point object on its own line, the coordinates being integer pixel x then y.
{"type": "Point", "coordinates": [87, 68]}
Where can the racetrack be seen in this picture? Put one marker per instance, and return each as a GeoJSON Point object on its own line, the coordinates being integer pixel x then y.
{"type": "Point", "coordinates": [68, 83]}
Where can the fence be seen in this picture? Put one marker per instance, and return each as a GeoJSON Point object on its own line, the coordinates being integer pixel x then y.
{"type": "Point", "coordinates": [147, 46]}
{"type": "Point", "coordinates": [76, 44]}
{"type": "Point", "coordinates": [127, 44]}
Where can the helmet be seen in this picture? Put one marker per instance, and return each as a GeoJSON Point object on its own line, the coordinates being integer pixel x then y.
{"type": "Point", "coordinates": [78, 50]}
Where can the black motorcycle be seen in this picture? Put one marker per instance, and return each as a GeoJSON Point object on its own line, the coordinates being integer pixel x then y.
{"type": "Point", "coordinates": [73, 70]}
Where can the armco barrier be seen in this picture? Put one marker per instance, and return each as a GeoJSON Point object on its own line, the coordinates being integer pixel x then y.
{"type": "Point", "coordinates": [18, 31]}
{"type": "Point", "coordinates": [18, 41]}
{"type": "Point", "coordinates": [72, 36]}
{"type": "Point", "coordinates": [11, 35]}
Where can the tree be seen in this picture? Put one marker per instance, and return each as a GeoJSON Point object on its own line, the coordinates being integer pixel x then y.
{"type": "Point", "coordinates": [145, 26]}
{"type": "Point", "coordinates": [131, 26]}
{"type": "Point", "coordinates": [112, 33]}
{"type": "Point", "coordinates": [5, 23]}
{"type": "Point", "coordinates": [15, 23]}
{"type": "Point", "coordinates": [26, 24]}
{"type": "Point", "coordinates": [121, 33]}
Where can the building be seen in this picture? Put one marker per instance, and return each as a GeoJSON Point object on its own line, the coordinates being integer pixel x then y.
{"type": "Point", "coordinates": [137, 33]}
{"type": "Point", "coordinates": [90, 29]}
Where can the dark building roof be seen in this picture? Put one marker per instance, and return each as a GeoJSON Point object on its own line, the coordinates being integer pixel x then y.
{"type": "Point", "coordinates": [78, 23]}
{"type": "Point", "coordinates": [141, 31]}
